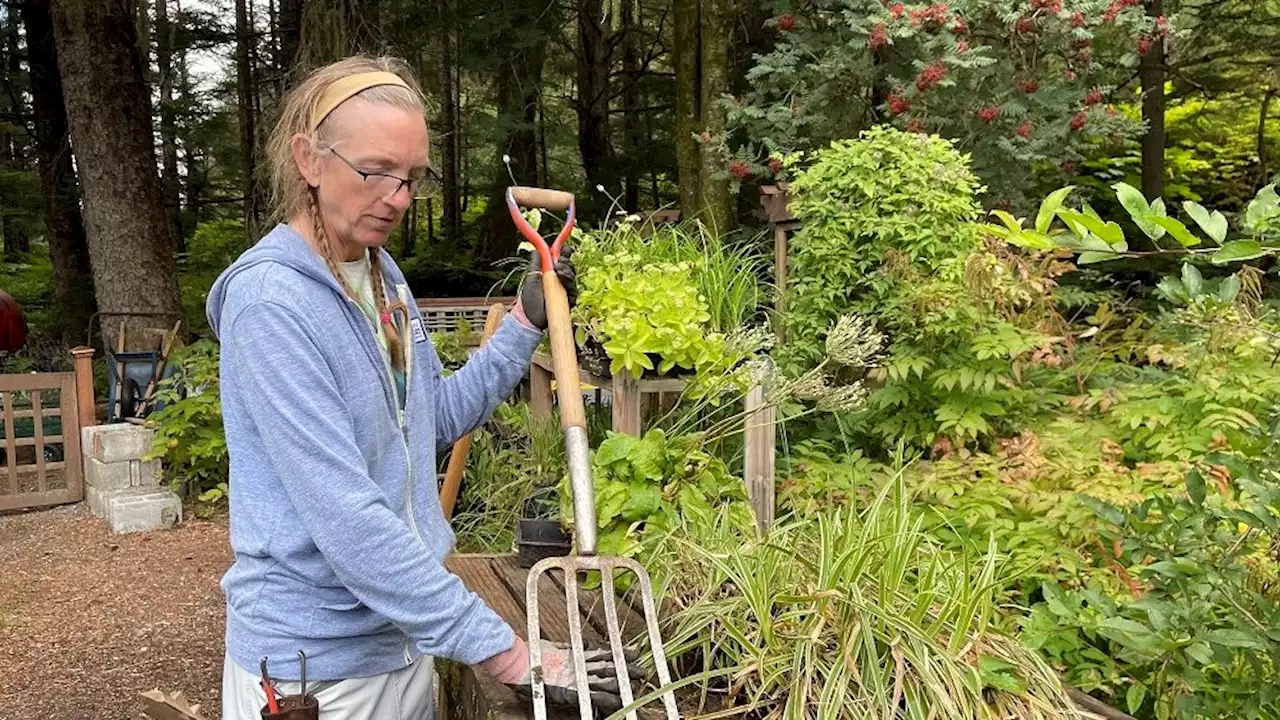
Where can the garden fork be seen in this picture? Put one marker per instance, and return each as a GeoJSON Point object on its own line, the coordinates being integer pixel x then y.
{"type": "Point", "coordinates": [573, 420]}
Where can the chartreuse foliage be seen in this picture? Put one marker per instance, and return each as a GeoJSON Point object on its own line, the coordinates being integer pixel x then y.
{"type": "Point", "coordinates": [890, 233]}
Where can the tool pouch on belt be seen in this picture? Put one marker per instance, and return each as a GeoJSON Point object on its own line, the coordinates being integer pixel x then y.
{"type": "Point", "coordinates": [294, 707]}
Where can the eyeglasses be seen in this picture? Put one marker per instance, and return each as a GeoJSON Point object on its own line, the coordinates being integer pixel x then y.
{"type": "Point", "coordinates": [387, 184]}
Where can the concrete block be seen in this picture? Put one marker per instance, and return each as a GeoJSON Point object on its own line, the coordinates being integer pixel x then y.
{"type": "Point", "coordinates": [122, 475]}
{"type": "Point", "coordinates": [116, 442]}
{"type": "Point", "coordinates": [142, 510]}
{"type": "Point", "coordinates": [96, 500]}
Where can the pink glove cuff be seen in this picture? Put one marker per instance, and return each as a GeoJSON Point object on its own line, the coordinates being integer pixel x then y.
{"type": "Point", "coordinates": [509, 667]}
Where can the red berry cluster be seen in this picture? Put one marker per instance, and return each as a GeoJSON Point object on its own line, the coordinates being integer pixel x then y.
{"type": "Point", "coordinates": [1144, 45]}
{"type": "Point", "coordinates": [915, 125]}
{"type": "Point", "coordinates": [1070, 75]}
{"type": "Point", "coordinates": [1093, 98]}
{"type": "Point", "coordinates": [931, 76]}
{"type": "Point", "coordinates": [1053, 6]}
{"type": "Point", "coordinates": [1024, 129]}
{"type": "Point", "coordinates": [1025, 25]}
{"type": "Point", "coordinates": [740, 170]}
{"type": "Point", "coordinates": [1077, 19]}
{"type": "Point", "coordinates": [896, 10]}
{"type": "Point", "coordinates": [1113, 10]}
{"type": "Point", "coordinates": [1078, 121]}
{"type": "Point", "coordinates": [879, 37]}
{"type": "Point", "coordinates": [1069, 167]}
{"type": "Point", "coordinates": [962, 47]}
{"type": "Point", "coordinates": [787, 22]}
{"type": "Point", "coordinates": [960, 27]}
{"type": "Point", "coordinates": [936, 13]}
{"type": "Point", "coordinates": [989, 113]}
{"type": "Point", "coordinates": [775, 165]}
{"type": "Point", "coordinates": [898, 104]}
{"type": "Point", "coordinates": [1029, 86]}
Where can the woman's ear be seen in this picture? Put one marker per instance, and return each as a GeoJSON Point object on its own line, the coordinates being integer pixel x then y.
{"type": "Point", "coordinates": [305, 159]}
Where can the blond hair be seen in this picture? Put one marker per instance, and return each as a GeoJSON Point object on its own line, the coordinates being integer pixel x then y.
{"type": "Point", "coordinates": [292, 195]}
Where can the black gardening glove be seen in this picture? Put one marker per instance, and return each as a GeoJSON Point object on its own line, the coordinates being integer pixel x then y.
{"type": "Point", "coordinates": [531, 300]}
{"type": "Point", "coordinates": [561, 686]}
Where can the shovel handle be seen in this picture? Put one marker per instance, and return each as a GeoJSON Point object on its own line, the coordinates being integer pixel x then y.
{"type": "Point", "coordinates": [542, 198]}
{"type": "Point", "coordinates": [458, 456]}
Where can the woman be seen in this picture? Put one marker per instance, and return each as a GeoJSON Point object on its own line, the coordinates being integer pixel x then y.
{"type": "Point", "coordinates": [335, 408]}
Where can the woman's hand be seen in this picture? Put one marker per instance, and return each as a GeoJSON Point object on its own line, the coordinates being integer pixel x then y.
{"type": "Point", "coordinates": [532, 304]}
{"type": "Point", "coordinates": [512, 669]}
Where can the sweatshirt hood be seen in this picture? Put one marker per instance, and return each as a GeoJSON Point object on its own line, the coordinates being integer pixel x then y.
{"type": "Point", "coordinates": [284, 246]}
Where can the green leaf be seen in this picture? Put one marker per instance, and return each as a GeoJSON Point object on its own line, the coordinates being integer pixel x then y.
{"type": "Point", "coordinates": [1234, 638]}
{"type": "Point", "coordinates": [1192, 280]}
{"type": "Point", "coordinates": [1109, 232]}
{"type": "Point", "coordinates": [1050, 206]}
{"type": "Point", "coordinates": [1177, 230]}
{"type": "Point", "coordinates": [1263, 205]}
{"type": "Point", "coordinates": [1013, 225]}
{"type": "Point", "coordinates": [1195, 486]}
{"type": "Point", "coordinates": [616, 447]}
{"type": "Point", "coordinates": [1133, 201]}
{"type": "Point", "coordinates": [1238, 250]}
{"type": "Point", "coordinates": [1200, 653]}
{"type": "Point", "coordinates": [643, 499]}
{"type": "Point", "coordinates": [1086, 258]}
{"type": "Point", "coordinates": [1229, 290]}
{"type": "Point", "coordinates": [1215, 225]}
{"type": "Point", "coordinates": [1137, 693]}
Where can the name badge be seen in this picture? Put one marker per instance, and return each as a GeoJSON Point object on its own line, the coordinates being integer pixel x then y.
{"type": "Point", "coordinates": [419, 332]}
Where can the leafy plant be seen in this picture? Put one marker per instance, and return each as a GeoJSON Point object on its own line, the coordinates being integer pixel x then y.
{"type": "Point", "coordinates": [889, 233]}
{"type": "Point", "coordinates": [1196, 636]}
{"type": "Point", "coordinates": [856, 613]}
{"type": "Point", "coordinates": [189, 435]}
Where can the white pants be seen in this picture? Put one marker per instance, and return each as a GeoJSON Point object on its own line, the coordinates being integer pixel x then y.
{"type": "Point", "coordinates": [407, 694]}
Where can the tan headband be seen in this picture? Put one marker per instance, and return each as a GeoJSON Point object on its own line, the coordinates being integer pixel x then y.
{"type": "Point", "coordinates": [342, 89]}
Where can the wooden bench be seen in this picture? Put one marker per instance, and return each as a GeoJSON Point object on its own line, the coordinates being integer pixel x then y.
{"type": "Point", "coordinates": [469, 693]}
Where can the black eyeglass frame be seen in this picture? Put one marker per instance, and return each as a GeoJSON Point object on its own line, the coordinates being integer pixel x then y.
{"type": "Point", "coordinates": [430, 174]}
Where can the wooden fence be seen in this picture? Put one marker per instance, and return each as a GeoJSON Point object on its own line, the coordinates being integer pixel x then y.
{"type": "Point", "coordinates": [43, 413]}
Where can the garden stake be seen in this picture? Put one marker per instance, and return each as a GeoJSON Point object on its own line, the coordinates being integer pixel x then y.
{"type": "Point", "coordinates": [573, 420]}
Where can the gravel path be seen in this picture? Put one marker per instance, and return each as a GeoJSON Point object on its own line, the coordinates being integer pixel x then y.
{"type": "Point", "coordinates": [88, 619]}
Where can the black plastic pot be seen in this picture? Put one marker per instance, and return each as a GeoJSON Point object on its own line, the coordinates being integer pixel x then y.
{"type": "Point", "coordinates": [537, 539]}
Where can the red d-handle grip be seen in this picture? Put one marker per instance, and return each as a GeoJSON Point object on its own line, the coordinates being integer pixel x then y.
{"type": "Point", "coordinates": [546, 200]}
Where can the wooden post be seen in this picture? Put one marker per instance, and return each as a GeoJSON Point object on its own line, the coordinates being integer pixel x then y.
{"type": "Point", "coordinates": [626, 404]}
{"type": "Point", "coordinates": [758, 470]}
{"type": "Point", "coordinates": [539, 392]}
{"type": "Point", "coordinates": [780, 273]}
{"type": "Point", "coordinates": [773, 198]}
{"type": "Point", "coordinates": [84, 385]}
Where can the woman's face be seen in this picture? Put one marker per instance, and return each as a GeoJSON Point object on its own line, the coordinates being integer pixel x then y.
{"type": "Point", "coordinates": [385, 143]}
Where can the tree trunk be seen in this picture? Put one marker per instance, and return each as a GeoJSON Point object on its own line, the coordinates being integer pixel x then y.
{"type": "Point", "coordinates": [168, 127]}
{"type": "Point", "coordinates": [244, 92]}
{"type": "Point", "coordinates": [517, 115]}
{"type": "Point", "coordinates": [72, 277]}
{"type": "Point", "coordinates": [131, 244]}
{"type": "Point", "coordinates": [290, 27]}
{"type": "Point", "coordinates": [632, 129]}
{"type": "Point", "coordinates": [17, 242]}
{"type": "Point", "coordinates": [594, 64]}
{"type": "Point", "coordinates": [451, 220]}
{"type": "Point", "coordinates": [686, 60]}
{"type": "Point", "coordinates": [143, 15]}
{"type": "Point", "coordinates": [1151, 72]}
{"type": "Point", "coordinates": [713, 176]}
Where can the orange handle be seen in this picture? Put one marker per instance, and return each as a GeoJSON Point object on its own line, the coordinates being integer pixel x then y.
{"type": "Point", "coordinates": [458, 456]}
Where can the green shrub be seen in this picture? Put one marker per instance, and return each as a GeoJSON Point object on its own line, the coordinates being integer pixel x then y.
{"type": "Point", "coordinates": [889, 233]}
{"type": "Point", "coordinates": [189, 434]}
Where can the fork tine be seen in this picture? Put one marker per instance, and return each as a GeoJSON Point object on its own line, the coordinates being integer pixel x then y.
{"type": "Point", "coordinates": [655, 637]}
{"type": "Point", "coordinates": [537, 688]}
{"type": "Point", "coordinates": [615, 637]}
{"type": "Point", "coordinates": [575, 641]}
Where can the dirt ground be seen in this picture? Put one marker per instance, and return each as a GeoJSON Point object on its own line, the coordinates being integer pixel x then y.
{"type": "Point", "coordinates": [88, 619]}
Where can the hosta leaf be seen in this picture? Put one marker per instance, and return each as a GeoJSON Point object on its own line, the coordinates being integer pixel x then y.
{"type": "Point", "coordinates": [1238, 250]}
{"type": "Point", "coordinates": [1214, 225]}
